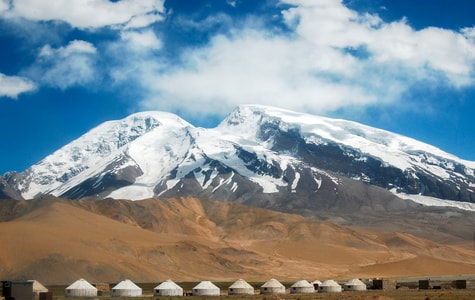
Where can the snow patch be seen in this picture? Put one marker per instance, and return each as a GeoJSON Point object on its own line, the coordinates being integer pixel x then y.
{"type": "Point", "coordinates": [318, 181]}
{"type": "Point", "coordinates": [432, 201]}
{"type": "Point", "coordinates": [224, 181]}
{"type": "Point", "coordinates": [334, 179]}
{"type": "Point", "coordinates": [234, 187]}
{"type": "Point", "coordinates": [295, 182]}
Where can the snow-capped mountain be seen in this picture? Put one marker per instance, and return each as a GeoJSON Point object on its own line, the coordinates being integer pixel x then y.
{"type": "Point", "coordinates": [258, 155]}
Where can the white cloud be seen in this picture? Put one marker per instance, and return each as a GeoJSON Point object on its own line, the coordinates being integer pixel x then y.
{"type": "Point", "coordinates": [317, 67]}
{"type": "Point", "coordinates": [231, 3]}
{"type": "Point", "coordinates": [73, 47]}
{"type": "Point", "coordinates": [331, 24]}
{"type": "Point", "coordinates": [72, 65]}
{"type": "Point", "coordinates": [469, 33]}
{"type": "Point", "coordinates": [133, 57]}
{"type": "Point", "coordinates": [141, 40]}
{"type": "Point", "coordinates": [4, 5]}
{"type": "Point", "coordinates": [91, 13]}
{"type": "Point", "coordinates": [140, 21]}
{"type": "Point", "coordinates": [12, 86]}
{"type": "Point", "coordinates": [431, 49]}
{"type": "Point", "coordinates": [254, 68]}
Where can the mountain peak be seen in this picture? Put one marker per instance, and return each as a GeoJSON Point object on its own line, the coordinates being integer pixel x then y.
{"type": "Point", "coordinates": [159, 116]}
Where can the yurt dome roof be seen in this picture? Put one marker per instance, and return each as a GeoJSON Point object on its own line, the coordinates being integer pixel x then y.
{"type": "Point", "coordinates": [273, 283]}
{"type": "Point", "coordinates": [80, 284]}
{"type": "Point", "coordinates": [302, 283]}
{"type": "Point", "coordinates": [168, 284]}
{"type": "Point", "coordinates": [205, 285]}
{"type": "Point", "coordinates": [126, 285]}
{"type": "Point", "coordinates": [240, 283]}
{"type": "Point", "coordinates": [329, 283]}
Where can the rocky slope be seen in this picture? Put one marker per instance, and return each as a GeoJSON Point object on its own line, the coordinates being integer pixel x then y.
{"type": "Point", "coordinates": [57, 241]}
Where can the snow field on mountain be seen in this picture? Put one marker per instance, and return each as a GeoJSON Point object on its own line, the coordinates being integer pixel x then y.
{"type": "Point", "coordinates": [79, 160]}
{"type": "Point", "coordinates": [157, 153]}
{"type": "Point", "coordinates": [431, 201]}
{"type": "Point", "coordinates": [391, 148]}
{"type": "Point", "coordinates": [220, 147]}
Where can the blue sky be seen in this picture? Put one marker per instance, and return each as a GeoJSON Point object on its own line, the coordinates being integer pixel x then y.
{"type": "Point", "coordinates": [68, 65]}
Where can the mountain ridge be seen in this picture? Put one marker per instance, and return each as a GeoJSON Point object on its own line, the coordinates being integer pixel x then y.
{"type": "Point", "coordinates": [257, 155]}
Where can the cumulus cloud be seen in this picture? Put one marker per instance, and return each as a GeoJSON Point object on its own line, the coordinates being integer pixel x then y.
{"type": "Point", "coordinates": [12, 86]}
{"type": "Point", "coordinates": [333, 57]}
{"type": "Point", "coordinates": [90, 13]}
{"type": "Point", "coordinates": [63, 67]}
{"type": "Point", "coordinates": [258, 69]}
{"type": "Point", "coordinates": [331, 24]}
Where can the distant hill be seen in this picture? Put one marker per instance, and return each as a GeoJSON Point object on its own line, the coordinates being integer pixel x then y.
{"type": "Point", "coordinates": [57, 241]}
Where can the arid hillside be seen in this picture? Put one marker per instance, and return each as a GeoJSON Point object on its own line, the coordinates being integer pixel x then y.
{"type": "Point", "coordinates": [57, 241]}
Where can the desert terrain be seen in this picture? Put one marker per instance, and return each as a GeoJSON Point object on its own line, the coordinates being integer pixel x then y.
{"type": "Point", "coordinates": [58, 241]}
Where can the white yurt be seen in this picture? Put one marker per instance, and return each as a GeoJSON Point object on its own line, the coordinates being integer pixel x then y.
{"type": "Point", "coordinates": [329, 286]}
{"type": "Point", "coordinates": [126, 288]}
{"type": "Point", "coordinates": [316, 284]}
{"type": "Point", "coordinates": [302, 287]}
{"type": "Point", "coordinates": [206, 288]}
{"type": "Point", "coordinates": [240, 287]}
{"type": "Point", "coordinates": [354, 285]}
{"type": "Point", "coordinates": [168, 288]}
{"type": "Point", "coordinates": [273, 286]}
{"type": "Point", "coordinates": [81, 288]}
